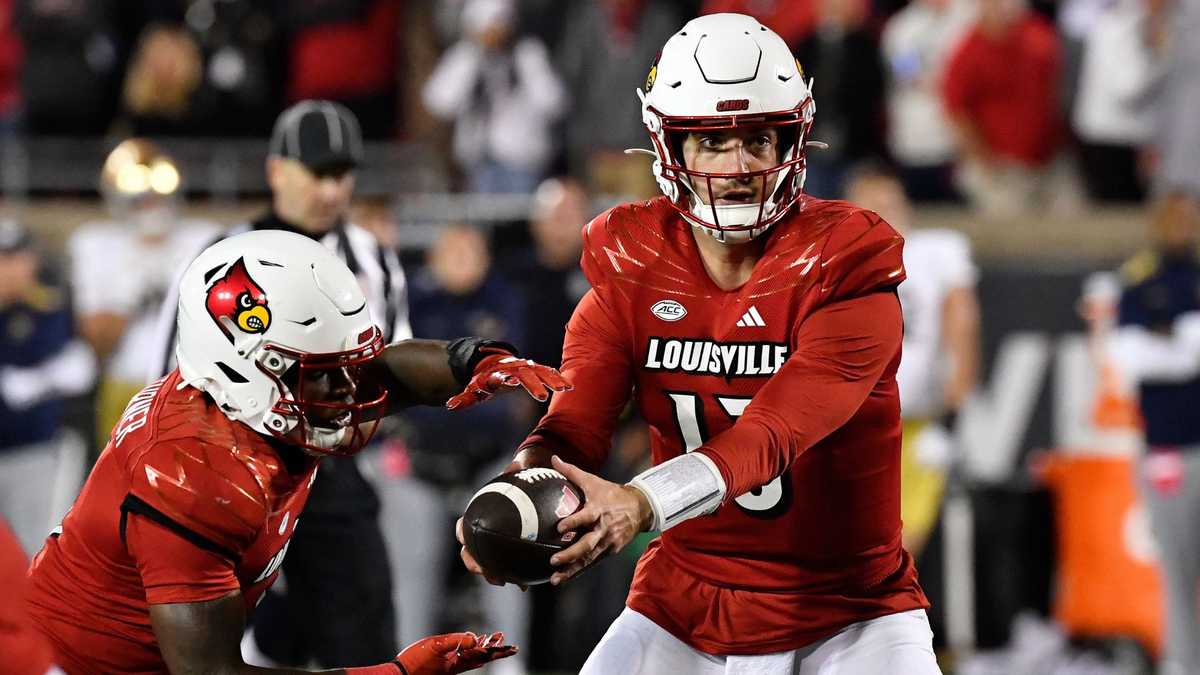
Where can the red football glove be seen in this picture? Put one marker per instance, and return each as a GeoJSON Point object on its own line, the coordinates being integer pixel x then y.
{"type": "Point", "coordinates": [502, 369]}
{"type": "Point", "coordinates": [452, 653]}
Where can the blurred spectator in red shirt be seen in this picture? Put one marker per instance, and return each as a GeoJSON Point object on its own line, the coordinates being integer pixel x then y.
{"type": "Point", "coordinates": [843, 59]}
{"type": "Point", "coordinates": [793, 20]}
{"type": "Point", "coordinates": [11, 58]}
{"type": "Point", "coordinates": [1001, 96]}
{"type": "Point", "coordinates": [346, 51]}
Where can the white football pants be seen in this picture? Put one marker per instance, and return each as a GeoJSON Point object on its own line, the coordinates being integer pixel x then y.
{"type": "Point", "coordinates": [898, 643]}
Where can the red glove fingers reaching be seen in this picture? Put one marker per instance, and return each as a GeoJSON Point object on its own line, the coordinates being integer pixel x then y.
{"type": "Point", "coordinates": [452, 653]}
{"type": "Point", "coordinates": [502, 369]}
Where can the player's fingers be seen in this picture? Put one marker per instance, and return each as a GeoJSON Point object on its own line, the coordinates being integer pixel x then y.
{"type": "Point", "coordinates": [574, 474]}
{"type": "Point", "coordinates": [547, 377]}
{"type": "Point", "coordinates": [566, 574]}
{"type": "Point", "coordinates": [502, 652]}
{"type": "Point", "coordinates": [604, 546]}
{"type": "Point", "coordinates": [492, 641]}
{"type": "Point", "coordinates": [576, 551]}
{"type": "Point", "coordinates": [553, 379]}
{"type": "Point", "coordinates": [532, 384]}
{"type": "Point", "coordinates": [469, 561]}
{"type": "Point", "coordinates": [582, 518]}
{"type": "Point", "coordinates": [582, 564]}
{"type": "Point", "coordinates": [493, 655]}
{"type": "Point", "coordinates": [477, 657]}
{"type": "Point", "coordinates": [452, 642]}
{"type": "Point", "coordinates": [474, 567]}
{"type": "Point", "coordinates": [467, 398]}
{"type": "Point", "coordinates": [569, 572]}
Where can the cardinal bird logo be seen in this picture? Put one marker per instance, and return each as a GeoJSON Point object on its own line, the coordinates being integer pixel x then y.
{"type": "Point", "coordinates": [237, 298]}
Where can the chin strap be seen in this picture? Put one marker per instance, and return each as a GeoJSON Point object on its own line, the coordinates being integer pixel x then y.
{"type": "Point", "coordinates": [327, 439]}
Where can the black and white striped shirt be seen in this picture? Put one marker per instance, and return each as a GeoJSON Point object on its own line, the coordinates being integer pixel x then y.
{"type": "Point", "coordinates": [376, 267]}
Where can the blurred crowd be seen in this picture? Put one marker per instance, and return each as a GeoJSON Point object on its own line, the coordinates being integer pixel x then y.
{"type": "Point", "coordinates": [1001, 103]}
{"type": "Point", "coordinates": [1001, 106]}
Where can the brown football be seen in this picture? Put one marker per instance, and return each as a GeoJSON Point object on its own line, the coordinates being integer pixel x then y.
{"type": "Point", "coordinates": [511, 524]}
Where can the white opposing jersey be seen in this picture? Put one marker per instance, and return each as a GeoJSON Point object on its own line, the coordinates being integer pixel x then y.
{"type": "Point", "coordinates": [114, 270]}
{"type": "Point", "coordinates": [938, 261]}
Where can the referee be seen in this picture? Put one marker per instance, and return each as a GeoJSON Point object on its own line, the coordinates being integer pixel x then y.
{"type": "Point", "coordinates": [334, 605]}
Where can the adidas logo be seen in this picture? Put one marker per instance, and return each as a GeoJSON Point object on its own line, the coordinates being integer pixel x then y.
{"type": "Point", "coordinates": [752, 319]}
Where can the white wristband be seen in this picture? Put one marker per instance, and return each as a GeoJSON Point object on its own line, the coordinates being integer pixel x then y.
{"type": "Point", "coordinates": [681, 488]}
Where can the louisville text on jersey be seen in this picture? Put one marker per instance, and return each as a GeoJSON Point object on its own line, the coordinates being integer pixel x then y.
{"type": "Point", "coordinates": [708, 357]}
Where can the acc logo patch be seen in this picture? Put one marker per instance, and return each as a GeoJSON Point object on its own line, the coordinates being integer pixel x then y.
{"type": "Point", "coordinates": [239, 299]}
{"type": "Point", "coordinates": [668, 310]}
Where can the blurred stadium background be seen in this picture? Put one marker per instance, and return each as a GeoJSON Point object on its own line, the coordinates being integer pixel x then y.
{"type": "Point", "coordinates": [1043, 560]}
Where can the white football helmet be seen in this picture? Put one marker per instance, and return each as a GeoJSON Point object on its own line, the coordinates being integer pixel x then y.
{"type": "Point", "coordinates": [723, 71]}
{"type": "Point", "coordinates": [265, 315]}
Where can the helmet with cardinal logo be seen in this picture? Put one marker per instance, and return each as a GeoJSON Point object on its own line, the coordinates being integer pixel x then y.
{"type": "Point", "coordinates": [264, 312]}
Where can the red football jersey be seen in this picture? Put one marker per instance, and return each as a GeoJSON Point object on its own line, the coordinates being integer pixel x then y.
{"type": "Point", "coordinates": [787, 383]}
{"type": "Point", "coordinates": [184, 505]}
{"type": "Point", "coordinates": [25, 651]}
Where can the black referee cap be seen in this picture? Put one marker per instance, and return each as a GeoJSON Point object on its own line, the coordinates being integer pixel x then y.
{"type": "Point", "coordinates": [322, 135]}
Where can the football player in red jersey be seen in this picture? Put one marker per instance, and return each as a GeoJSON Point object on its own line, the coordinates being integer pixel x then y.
{"type": "Point", "coordinates": [759, 331]}
{"type": "Point", "coordinates": [187, 515]}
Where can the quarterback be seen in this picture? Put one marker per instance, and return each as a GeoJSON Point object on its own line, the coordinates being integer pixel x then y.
{"type": "Point", "coordinates": [186, 517]}
{"type": "Point", "coordinates": [759, 332]}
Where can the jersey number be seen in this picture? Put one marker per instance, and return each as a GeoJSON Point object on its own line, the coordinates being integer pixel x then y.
{"type": "Point", "coordinates": [768, 501]}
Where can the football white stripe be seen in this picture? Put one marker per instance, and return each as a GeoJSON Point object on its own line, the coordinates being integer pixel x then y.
{"type": "Point", "coordinates": [525, 507]}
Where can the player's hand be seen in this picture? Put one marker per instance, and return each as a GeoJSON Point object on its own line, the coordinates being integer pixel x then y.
{"type": "Point", "coordinates": [469, 561]}
{"type": "Point", "coordinates": [502, 369]}
{"type": "Point", "coordinates": [453, 653]}
{"type": "Point", "coordinates": [612, 514]}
